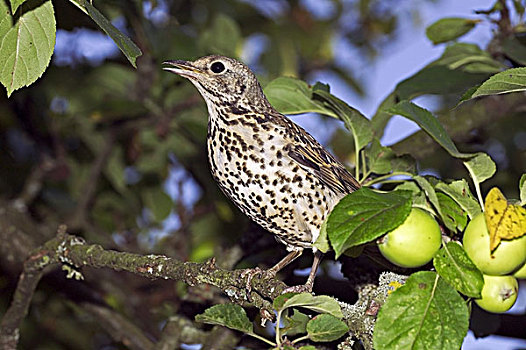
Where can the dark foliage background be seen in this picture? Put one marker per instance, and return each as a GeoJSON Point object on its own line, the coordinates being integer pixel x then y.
{"type": "Point", "coordinates": [113, 152]}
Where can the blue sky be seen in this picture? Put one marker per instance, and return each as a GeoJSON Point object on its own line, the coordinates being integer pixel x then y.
{"type": "Point", "coordinates": [404, 57]}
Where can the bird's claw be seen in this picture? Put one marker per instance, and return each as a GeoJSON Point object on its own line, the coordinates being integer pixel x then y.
{"type": "Point", "coordinates": [251, 273]}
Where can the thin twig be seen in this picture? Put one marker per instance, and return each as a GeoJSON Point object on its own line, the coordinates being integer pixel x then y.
{"type": "Point", "coordinates": [79, 216]}
{"type": "Point", "coordinates": [180, 330]}
{"type": "Point", "coordinates": [33, 183]}
{"type": "Point", "coordinates": [119, 327]}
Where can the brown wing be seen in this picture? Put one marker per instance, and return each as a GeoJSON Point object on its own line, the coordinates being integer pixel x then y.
{"type": "Point", "coordinates": [330, 172]}
{"type": "Point", "coordinates": [311, 155]}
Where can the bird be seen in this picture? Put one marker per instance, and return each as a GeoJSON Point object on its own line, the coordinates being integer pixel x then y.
{"type": "Point", "coordinates": [273, 170]}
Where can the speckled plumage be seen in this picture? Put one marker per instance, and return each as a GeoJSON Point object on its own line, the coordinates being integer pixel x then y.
{"type": "Point", "coordinates": [270, 167]}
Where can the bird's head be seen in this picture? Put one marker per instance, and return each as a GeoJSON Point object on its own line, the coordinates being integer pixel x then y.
{"type": "Point", "coordinates": [221, 81]}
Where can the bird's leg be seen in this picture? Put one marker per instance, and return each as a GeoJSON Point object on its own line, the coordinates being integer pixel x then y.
{"type": "Point", "coordinates": [307, 287]}
{"type": "Point", "coordinates": [290, 257]}
{"type": "Point", "coordinates": [270, 273]}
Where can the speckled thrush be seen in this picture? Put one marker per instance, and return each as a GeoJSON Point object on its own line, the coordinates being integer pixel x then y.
{"type": "Point", "coordinates": [273, 170]}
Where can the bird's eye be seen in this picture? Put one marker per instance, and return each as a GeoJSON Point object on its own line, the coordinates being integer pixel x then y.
{"type": "Point", "coordinates": [217, 67]}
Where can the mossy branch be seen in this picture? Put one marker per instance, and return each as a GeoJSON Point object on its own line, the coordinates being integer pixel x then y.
{"type": "Point", "coordinates": [73, 252]}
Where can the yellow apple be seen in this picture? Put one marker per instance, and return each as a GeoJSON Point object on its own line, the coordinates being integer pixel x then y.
{"type": "Point", "coordinates": [509, 256]}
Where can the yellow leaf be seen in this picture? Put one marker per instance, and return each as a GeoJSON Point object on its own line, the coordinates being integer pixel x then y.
{"type": "Point", "coordinates": [393, 285]}
{"type": "Point", "coordinates": [504, 220]}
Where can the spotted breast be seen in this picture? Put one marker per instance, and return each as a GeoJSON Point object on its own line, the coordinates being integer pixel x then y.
{"type": "Point", "coordinates": [271, 168]}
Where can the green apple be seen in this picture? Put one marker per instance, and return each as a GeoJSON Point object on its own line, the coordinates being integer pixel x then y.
{"type": "Point", "coordinates": [414, 243]}
{"type": "Point", "coordinates": [509, 256]}
{"type": "Point", "coordinates": [498, 294]}
{"type": "Point", "coordinates": [520, 273]}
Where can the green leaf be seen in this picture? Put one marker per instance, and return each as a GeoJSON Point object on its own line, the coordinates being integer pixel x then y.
{"type": "Point", "coordinates": [514, 49]}
{"type": "Point", "coordinates": [519, 7]}
{"type": "Point", "coordinates": [364, 215]}
{"type": "Point", "coordinates": [424, 313]}
{"type": "Point", "coordinates": [15, 4]}
{"type": "Point", "coordinates": [229, 315]}
{"type": "Point", "coordinates": [326, 328]}
{"type": "Point", "coordinates": [447, 29]}
{"type": "Point", "coordinates": [355, 251]}
{"type": "Point", "coordinates": [467, 95]}
{"type": "Point", "coordinates": [419, 197]}
{"type": "Point", "coordinates": [497, 7]}
{"type": "Point", "coordinates": [28, 41]}
{"type": "Point", "coordinates": [295, 324]}
{"type": "Point", "coordinates": [125, 44]}
{"type": "Point", "coordinates": [429, 124]}
{"type": "Point", "coordinates": [449, 212]}
{"type": "Point", "coordinates": [453, 216]}
{"type": "Point", "coordinates": [469, 58]}
{"type": "Point", "coordinates": [522, 189]}
{"type": "Point", "coordinates": [293, 96]}
{"type": "Point", "coordinates": [280, 300]}
{"type": "Point", "coordinates": [460, 192]}
{"type": "Point", "coordinates": [307, 347]}
{"type": "Point", "coordinates": [380, 118]}
{"type": "Point", "coordinates": [511, 80]}
{"type": "Point", "coordinates": [108, 205]}
{"type": "Point", "coordinates": [439, 80]}
{"type": "Point", "coordinates": [480, 167]}
{"type": "Point", "coordinates": [430, 192]}
{"type": "Point", "coordinates": [342, 144]}
{"type": "Point", "coordinates": [203, 238]}
{"type": "Point", "coordinates": [409, 186]}
{"type": "Point", "coordinates": [455, 267]}
{"type": "Point", "coordinates": [322, 242]}
{"type": "Point", "coordinates": [354, 121]}
{"type": "Point", "coordinates": [459, 68]}
{"type": "Point", "coordinates": [379, 158]}
{"type": "Point", "coordinates": [115, 80]}
{"type": "Point", "coordinates": [158, 202]}
{"type": "Point", "coordinates": [404, 163]}
{"type": "Point", "coordinates": [222, 37]}
{"type": "Point", "coordinates": [115, 169]}
{"type": "Point", "coordinates": [319, 303]}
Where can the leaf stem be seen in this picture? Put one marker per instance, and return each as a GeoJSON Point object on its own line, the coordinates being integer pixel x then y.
{"type": "Point", "coordinates": [278, 336]}
{"type": "Point", "coordinates": [384, 177]}
{"type": "Point", "coordinates": [357, 159]}
{"type": "Point", "coordinates": [367, 173]}
{"type": "Point", "coordinates": [479, 194]}
{"type": "Point", "coordinates": [364, 171]}
{"type": "Point", "coordinates": [300, 339]}
{"type": "Point", "coordinates": [262, 339]}
{"type": "Point", "coordinates": [80, 7]}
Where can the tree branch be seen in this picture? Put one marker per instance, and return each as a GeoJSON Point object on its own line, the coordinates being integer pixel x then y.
{"type": "Point", "coordinates": [179, 330]}
{"type": "Point", "coordinates": [27, 283]}
{"type": "Point", "coordinates": [33, 183]}
{"type": "Point", "coordinates": [119, 327]}
{"type": "Point", "coordinates": [220, 338]}
{"type": "Point", "coordinates": [73, 252]}
{"type": "Point", "coordinates": [361, 316]}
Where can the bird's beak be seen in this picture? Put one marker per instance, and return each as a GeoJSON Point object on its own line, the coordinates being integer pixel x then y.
{"type": "Point", "coordinates": [183, 68]}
